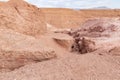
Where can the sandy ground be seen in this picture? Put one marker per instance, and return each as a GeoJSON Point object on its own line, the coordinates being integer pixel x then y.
{"type": "Point", "coordinates": [31, 48]}
{"type": "Point", "coordinates": [101, 64]}
{"type": "Point", "coordinates": [70, 67]}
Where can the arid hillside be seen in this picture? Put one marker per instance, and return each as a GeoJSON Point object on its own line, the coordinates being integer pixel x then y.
{"type": "Point", "coordinates": [68, 18]}
{"type": "Point", "coordinates": [34, 45]}
{"type": "Point", "coordinates": [62, 18]}
{"type": "Point", "coordinates": [87, 14]}
{"type": "Point", "coordinates": [22, 17]}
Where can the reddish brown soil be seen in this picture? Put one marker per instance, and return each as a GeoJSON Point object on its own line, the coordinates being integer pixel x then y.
{"type": "Point", "coordinates": [22, 17]}
{"type": "Point", "coordinates": [68, 18]}
{"type": "Point", "coordinates": [35, 47]}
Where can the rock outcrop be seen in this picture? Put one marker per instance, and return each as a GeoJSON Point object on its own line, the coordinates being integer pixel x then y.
{"type": "Point", "coordinates": [17, 50]}
{"type": "Point", "coordinates": [24, 50]}
{"type": "Point", "coordinates": [63, 40]}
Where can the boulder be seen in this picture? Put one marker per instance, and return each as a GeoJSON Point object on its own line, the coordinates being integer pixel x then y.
{"type": "Point", "coordinates": [63, 40]}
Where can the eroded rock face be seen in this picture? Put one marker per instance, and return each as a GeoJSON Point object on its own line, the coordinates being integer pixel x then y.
{"type": "Point", "coordinates": [94, 34]}
{"type": "Point", "coordinates": [17, 50]}
{"type": "Point", "coordinates": [83, 45]}
{"type": "Point", "coordinates": [22, 17]}
{"type": "Point", "coordinates": [100, 33]}
{"type": "Point", "coordinates": [104, 27]}
{"type": "Point", "coordinates": [115, 51]}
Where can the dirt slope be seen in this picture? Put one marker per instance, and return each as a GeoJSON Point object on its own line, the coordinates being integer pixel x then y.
{"type": "Point", "coordinates": [102, 64]}
{"type": "Point", "coordinates": [68, 18]}
{"type": "Point", "coordinates": [17, 50]}
{"type": "Point", "coordinates": [22, 17]}
{"type": "Point", "coordinates": [49, 56]}
{"type": "Point", "coordinates": [62, 18]}
{"type": "Point", "coordinates": [71, 67]}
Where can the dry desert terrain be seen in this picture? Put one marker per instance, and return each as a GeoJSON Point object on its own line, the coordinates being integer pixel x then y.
{"type": "Point", "coordinates": [58, 43]}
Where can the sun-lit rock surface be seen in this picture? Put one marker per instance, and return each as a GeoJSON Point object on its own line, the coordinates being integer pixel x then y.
{"type": "Point", "coordinates": [17, 49]}
{"type": "Point", "coordinates": [22, 17]}
{"type": "Point", "coordinates": [68, 18]}
{"type": "Point", "coordinates": [26, 53]}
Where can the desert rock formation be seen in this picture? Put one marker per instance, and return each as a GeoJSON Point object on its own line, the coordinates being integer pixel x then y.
{"type": "Point", "coordinates": [22, 17]}
{"type": "Point", "coordinates": [34, 45]}
{"type": "Point", "coordinates": [17, 49]}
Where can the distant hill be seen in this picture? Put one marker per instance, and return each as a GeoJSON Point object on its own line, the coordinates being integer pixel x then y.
{"type": "Point", "coordinates": [69, 18]}
{"type": "Point", "coordinates": [101, 7]}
